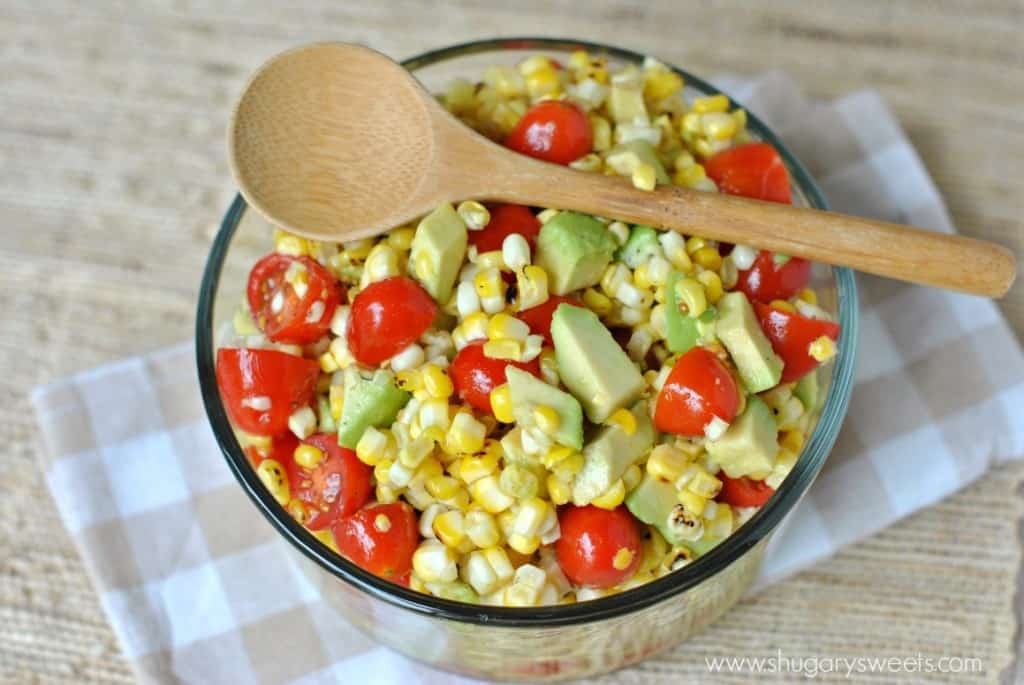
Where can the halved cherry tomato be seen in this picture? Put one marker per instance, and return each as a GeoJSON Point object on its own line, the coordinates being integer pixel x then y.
{"type": "Point", "coordinates": [280, 312]}
{"type": "Point", "coordinates": [698, 388]}
{"type": "Point", "coordinates": [743, 491]}
{"type": "Point", "coordinates": [553, 131]}
{"type": "Point", "coordinates": [380, 538]}
{"type": "Point", "coordinates": [255, 377]}
{"type": "Point", "coordinates": [281, 449]}
{"type": "Point", "coordinates": [597, 548]}
{"type": "Point", "coordinates": [337, 487]}
{"type": "Point", "coordinates": [387, 316]}
{"type": "Point", "coordinates": [474, 374]}
{"type": "Point", "coordinates": [791, 335]}
{"type": "Point", "coordinates": [505, 220]}
{"type": "Point", "coordinates": [539, 318]}
{"type": "Point", "coordinates": [766, 280]}
{"type": "Point", "coordinates": [752, 170]}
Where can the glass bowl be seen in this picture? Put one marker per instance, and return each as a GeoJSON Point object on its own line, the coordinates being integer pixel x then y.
{"type": "Point", "coordinates": [542, 643]}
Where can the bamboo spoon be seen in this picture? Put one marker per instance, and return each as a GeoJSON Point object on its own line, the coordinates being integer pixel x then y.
{"type": "Point", "coordinates": [337, 142]}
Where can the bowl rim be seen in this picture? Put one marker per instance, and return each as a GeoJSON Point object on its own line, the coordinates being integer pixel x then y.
{"type": "Point", "coordinates": [810, 461]}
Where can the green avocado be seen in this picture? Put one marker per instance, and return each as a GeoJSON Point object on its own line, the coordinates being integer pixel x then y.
{"type": "Point", "coordinates": [438, 247]}
{"type": "Point", "coordinates": [739, 330]}
{"type": "Point", "coordinates": [808, 391]}
{"type": "Point", "coordinates": [750, 444]}
{"type": "Point", "coordinates": [574, 249]}
{"type": "Point", "coordinates": [641, 245]}
{"type": "Point", "coordinates": [645, 153]}
{"type": "Point", "coordinates": [652, 502]}
{"type": "Point", "coordinates": [528, 391]}
{"type": "Point", "coordinates": [702, 546]}
{"type": "Point", "coordinates": [371, 399]}
{"type": "Point", "coordinates": [607, 456]}
{"type": "Point", "coordinates": [592, 365]}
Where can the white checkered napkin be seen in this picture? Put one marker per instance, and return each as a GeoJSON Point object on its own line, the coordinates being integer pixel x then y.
{"type": "Point", "coordinates": [198, 588]}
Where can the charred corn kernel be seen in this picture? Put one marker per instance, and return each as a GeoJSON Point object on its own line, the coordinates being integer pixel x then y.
{"type": "Point", "coordinates": [505, 327]}
{"type": "Point", "coordinates": [588, 162]}
{"type": "Point", "coordinates": [782, 305]}
{"type": "Point", "coordinates": [809, 296]}
{"type": "Point", "coordinates": [708, 258]}
{"type": "Point", "coordinates": [504, 349]}
{"type": "Point", "coordinates": [602, 133]}
{"type": "Point", "coordinates": [718, 125]}
{"type": "Point", "coordinates": [473, 214]}
{"type": "Point", "coordinates": [692, 502]}
{"type": "Point", "coordinates": [612, 497]}
{"type": "Point", "coordinates": [661, 83]}
{"type": "Point", "coordinates": [523, 544]}
{"type": "Point", "coordinates": [558, 491]}
{"type": "Point", "coordinates": [705, 485]}
{"type": "Point", "coordinates": [275, 479]}
{"type": "Point", "coordinates": [488, 283]}
{"type": "Point", "coordinates": [450, 527]}
{"type": "Point", "coordinates": [501, 403]}
{"type": "Point", "coordinates": [689, 176]}
{"type": "Point", "coordinates": [409, 380]}
{"type": "Point", "coordinates": [667, 463]}
{"type": "Point", "coordinates": [466, 434]}
{"type": "Point", "coordinates": [518, 481]}
{"type": "Point", "coordinates": [482, 529]}
{"type": "Point", "coordinates": [632, 477]}
{"type": "Point", "coordinates": [546, 418]}
{"type": "Point", "coordinates": [400, 239]}
{"type": "Point", "coordinates": [436, 382]}
{"type": "Point", "coordinates": [434, 561]}
{"type": "Point", "coordinates": [624, 419]}
{"type": "Point", "coordinates": [492, 259]}
{"type": "Point", "coordinates": [489, 495]}
{"type": "Point", "coordinates": [308, 456]}
{"type": "Point", "coordinates": [472, 469]}
{"type": "Point", "coordinates": [792, 440]}
{"type": "Point", "coordinates": [691, 295]}
{"type": "Point", "coordinates": [543, 82]}
{"type": "Point", "coordinates": [822, 349]}
{"type": "Point", "coordinates": [600, 304]}
{"type": "Point", "coordinates": [532, 287]}
{"type": "Point", "coordinates": [712, 283]}
{"type": "Point", "coordinates": [711, 103]}
{"type": "Point", "coordinates": [644, 177]}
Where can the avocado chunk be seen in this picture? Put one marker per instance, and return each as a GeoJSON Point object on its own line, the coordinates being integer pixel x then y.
{"type": "Point", "coordinates": [607, 456]}
{"type": "Point", "coordinates": [528, 392]}
{"type": "Point", "coordinates": [371, 399]}
{"type": "Point", "coordinates": [808, 391]}
{"type": "Point", "coordinates": [592, 365]}
{"type": "Point", "coordinates": [625, 156]}
{"type": "Point", "coordinates": [641, 245]}
{"type": "Point", "coordinates": [750, 444]}
{"type": "Point", "coordinates": [574, 249]}
{"type": "Point", "coordinates": [738, 329]}
{"type": "Point", "coordinates": [702, 546]}
{"type": "Point", "coordinates": [652, 502]}
{"type": "Point", "coordinates": [438, 248]}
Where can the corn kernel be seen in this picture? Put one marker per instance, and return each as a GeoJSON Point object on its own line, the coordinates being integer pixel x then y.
{"type": "Point", "coordinates": [275, 479]}
{"type": "Point", "coordinates": [436, 382]}
{"type": "Point", "coordinates": [689, 176]}
{"type": "Point", "coordinates": [523, 544]}
{"type": "Point", "coordinates": [632, 477]}
{"type": "Point", "coordinates": [711, 103]}
{"type": "Point", "coordinates": [705, 485]}
{"type": "Point", "coordinates": [508, 348]}
{"type": "Point", "coordinates": [622, 559]}
{"type": "Point", "coordinates": [558, 491]}
{"type": "Point", "coordinates": [692, 502]}
{"type": "Point", "coordinates": [719, 125]}
{"type": "Point", "coordinates": [473, 214]}
{"type": "Point", "coordinates": [472, 469]}
{"type": "Point", "coordinates": [782, 305]}
{"type": "Point", "coordinates": [644, 177]}
{"type": "Point", "coordinates": [308, 456]}
{"type": "Point", "coordinates": [543, 82]}
{"type": "Point", "coordinates": [792, 440]}
{"type": "Point", "coordinates": [597, 302]}
{"type": "Point", "coordinates": [708, 258]}
{"type": "Point", "coordinates": [488, 283]}
{"type": "Point", "coordinates": [549, 366]}
{"type": "Point", "coordinates": [822, 349]}
{"type": "Point", "coordinates": [546, 418]}
{"type": "Point", "coordinates": [661, 83]}
{"type": "Point", "coordinates": [450, 527]}
{"type": "Point", "coordinates": [505, 327]}
{"type": "Point", "coordinates": [489, 495]}
{"type": "Point", "coordinates": [809, 296]}
{"type": "Point", "coordinates": [501, 403]}
{"type": "Point", "coordinates": [466, 434]}
{"type": "Point", "coordinates": [434, 561]}
{"type": "Point", "coordinates": [667, 463]}
{"type": "Point", "coordinates": [612, 497]}
{"type": "Point", "coordinates": [518, 481]}
{"type": "Point", "coordinates": [691, 296]}
{"type": "Point", "coordinates": [602, 133]}
{"type": "Point", "coordinates": [532, 287]}
{"type": "Point", "coordinates": [400, 239]}
{"type": "Point", "coordinates": [712, 286]}
{"type": "Point", "coordinates": [569, 467]}
{"type": "Point", "coordinates": [482, 529]}
{"type": "Point", "coordinates": [624, 419]}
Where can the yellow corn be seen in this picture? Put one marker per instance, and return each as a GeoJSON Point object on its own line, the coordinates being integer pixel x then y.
{"type": "Point", "coordinates": [689, 176]}
{"type": "Point", "coordinates": [523, 544]}
{"type": "Point", "coordinates": [569, 467]}
{"type": "Point", "coordinates": [328, 364]}
{"type": "Point", "coordinates": [782, 305]}
{"type": "Point", "coordinates": [691, 295]}
{"type": "Point", "coordinates": [719, 125]}
{"type": "Point", "coordinates": [489, 495]}
{"type": "Point", "coordinates": [547, 419]}
{"type": "Point", "coordinates": [602, 132]}
{"type": "Point", "coordinates": [711, 103]}
{"type": "Point", "coordinates": [488, 283]}
{"type": "Point", "coordinates": [442, 487]}
{"type": "Point", "coordinates": [401, 238]}
{"type": "Point", "coordinates": [631, 478]}
{"type": "Point", "coordinates": [555, 455]}
{"type": "Point", "coordinates": [409, 380]}
{"type": "Point", "coordinates": [450, 527]}
{"type": "Point", "coordinates": [612, 497]}
{"type": "Point", "coordinates": [474, 326]}
{"type": "Point", "coordinates": [597, 302]}
{"type": "Point", "coordinates": [436, 382]}
{"type": "Point", "coordinates": [809, 296]}
{"type": "Point", "coordinates": [434, 561]}
{"type": "Point", "coordinates": [661, 83]}
{"type": "Point", "coordinates": [493, 259]}
{"type": "Point", "coordinates": [531, 286]}
{"type": "Point", "coordinates": [721, 525]}
{"type": "Point", "coordinates": [622, 559]}
{"type": "Point", "coordinates": [482, 529]}
{"type": "Point", "coordinates": [382, 471]}
{"type": "Point", "coordinates": [308, 456]}
{"type": "Point", "coordinates": [275, 480]}
{"type": "Point", "coordinates": [466, 435]}
{"type": "Point", "coordinates": [385, 494]}
{"type": "Point", "coordinates": [740, 116]}
{"type": "Point", "coordinates": [558, 490]}
{"type": "Point", "coordinates": [822, 349]}
{"type": "Point", "coordinates": [644, 177]}
{"type": "Point", "coordinates": [505, 327]}
{"type": "Point", "coordinates": [712, 283]}
{"type": "Point", "coordinates": [518, 481]}
{"type": "Point", "coordinates": [692, 502]}
{"type": "Point", "coordinates": [792, 440]}
{"type": "Point", "coordinates": [579, 60]}
{"type": "Point", "coordinates": [472, 469]}
{"type": "Point", "coordinates": [504, 349]}
{"type": "Point", "coordinates": [703, 148]}
{"type": "Point", "coordinates": [543, 82]}
{"type": "Point", "coordinates": [704, 484]}
{"type": "Point", "coordinates": [473, 214]}
{"type": "Point", "coordinates": [708, 257]}
{"type": "Point", "coordinates": [624, 419]}
{"type": "Point", "coordinates": [501, 403]}
{"type": "Point", "coordinates": [667, 463]}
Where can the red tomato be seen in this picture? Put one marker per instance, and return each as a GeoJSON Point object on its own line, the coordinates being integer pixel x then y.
{"type": "Point", "coordinates": [752, 170]}
{"type": "Point", "coordinates": [539, 318]}
{"type": "Point", "coordinates": [553, 131]}
{"type": "Point", "coordinates": [337, 487]}
{"type": "Point", "coordinates": [743, 491]}
{"type": "Point", "coordinates": [791, 335]}
{"type": "Point", "coordinates": [296, 321]}
{"type": "Point", "coordinates": [245, 376]}
{"type": "Point", "coordinates": [765, 280]}
{"type": "Point", "coordinates": [698, 388]}
{"type": "Point", "coordinates": [387, 316]}
{"type": "Point", "coordinates": [281, 449]}
{"type": "Point", "coordinates": [505, 220]}
{"type": "Point", "coordinates": [474, 375]}
{"type": "Point", "coordinates": [380, 538]}
{"type": "Point", "coordinates": [591, 540]}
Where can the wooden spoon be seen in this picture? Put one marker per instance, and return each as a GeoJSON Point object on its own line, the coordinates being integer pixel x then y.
{"type": "Point", "coordinates": [337, 142]}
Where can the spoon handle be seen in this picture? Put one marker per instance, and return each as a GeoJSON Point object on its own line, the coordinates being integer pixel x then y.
{"type": "Point", "coordinates": [877, 247]}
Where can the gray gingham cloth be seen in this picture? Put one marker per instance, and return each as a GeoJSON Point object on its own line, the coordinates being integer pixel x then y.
{"type": "Point", "coordinates": [199, 590]}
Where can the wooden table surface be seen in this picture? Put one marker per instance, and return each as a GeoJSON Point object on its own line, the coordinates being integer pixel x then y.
{"type": "Point", "coordinates": [113, 178]}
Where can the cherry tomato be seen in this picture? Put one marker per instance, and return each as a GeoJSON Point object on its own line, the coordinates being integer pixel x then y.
{"type": "Point", "coordinates": [752, 170]}
{"type": "Point", "coordinates": [791, 335]}
{"type": "Point", "coordinates": [506, 220]}
{"type": "Point", "coordinates": [387, 316]}
{"type": "Point", "coordinates": [553, 131]}
{"type": "Point", "coordinates": [598, 548]}
{"type": "Point", "coordinates": [539, 318]}
{"type": "Point", "coordinates": [337, 487]}
{"type": "Point", "coordinates": [264, 377]}
{"type": "Point", "coordinates": [380, 538]}
{"type": "Point", "coordinates": [765, 280]}
{"type": "Point", "coordinates": [280, 312]}
{"type": "Point", "coordinates": [743, 491]}
{"type": "Point", "coordinates": [281, 448]}
{"type": "Point", "coordinates": [698, 388]}
{"type": "Point", "coordinates": [474, 375]}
